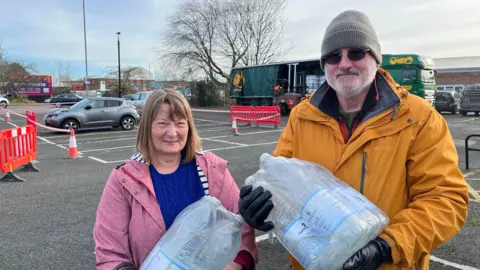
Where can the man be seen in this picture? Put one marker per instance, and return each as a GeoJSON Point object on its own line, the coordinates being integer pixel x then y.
{"type": "Point", "coordinates": [391, 146]}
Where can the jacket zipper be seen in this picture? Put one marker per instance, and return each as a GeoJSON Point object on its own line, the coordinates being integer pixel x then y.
{"type": "Point", "coordinates": [395, 108]}
{"type": "Point", "coordinates": [364, 169]}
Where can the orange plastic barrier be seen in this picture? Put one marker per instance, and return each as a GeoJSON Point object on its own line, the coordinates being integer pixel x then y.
{"type": "Point", "coordinates": [18, 147]}
{"type": "Point", "coordinates": [31, 118]}
{"type": "Point", "coordinates": [259, 114]}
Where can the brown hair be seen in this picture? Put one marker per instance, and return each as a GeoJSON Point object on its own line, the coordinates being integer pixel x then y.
{"type": "Point", "coordinates": [179, 108]}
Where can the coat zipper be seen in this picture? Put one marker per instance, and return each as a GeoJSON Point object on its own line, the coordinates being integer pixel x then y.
{"type": "Point", "coordinates": [364, 169]}
{"type": "Point", "coordinates": [395, 108]}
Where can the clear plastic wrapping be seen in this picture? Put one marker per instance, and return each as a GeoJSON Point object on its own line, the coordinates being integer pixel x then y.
{"type": "Point", "coordinates": [318, 218]}
{"type": "Point", "coordinates": [204, 236]}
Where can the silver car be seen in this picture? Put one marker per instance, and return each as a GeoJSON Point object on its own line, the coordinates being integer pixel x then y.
{"type": "Point", "coordinates": [138, 100]}
{"type": "Point", "coordinates": [94, 112]}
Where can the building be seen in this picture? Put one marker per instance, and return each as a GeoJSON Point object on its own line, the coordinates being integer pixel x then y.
{"type": "Point", "coordinates": [136, 79]}
{"type": "Point", "coordinates": [455, 72]}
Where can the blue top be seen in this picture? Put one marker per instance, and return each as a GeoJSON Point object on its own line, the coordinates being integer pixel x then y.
{"type": "Point", "coordinates": [177, 190]}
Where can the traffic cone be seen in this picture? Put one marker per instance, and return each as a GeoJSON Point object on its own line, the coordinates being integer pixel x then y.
{"type": "Point", "coordinates": [72, 146]}
{"type": "Point", "coordinates": [7, 116]}
{"type": "Point", "coordinates": [234, 127]}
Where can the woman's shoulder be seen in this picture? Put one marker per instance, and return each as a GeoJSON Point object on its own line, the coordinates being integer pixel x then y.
{"type": "Point", "coordinates": [211, 159]}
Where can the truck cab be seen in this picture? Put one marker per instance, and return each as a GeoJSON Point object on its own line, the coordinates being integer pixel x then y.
{"type": "Point", "coordinates": [413, 72]}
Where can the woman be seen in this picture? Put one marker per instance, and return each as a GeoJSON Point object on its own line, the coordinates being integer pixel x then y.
{"type": "Point", "coordinates": [143, 196]}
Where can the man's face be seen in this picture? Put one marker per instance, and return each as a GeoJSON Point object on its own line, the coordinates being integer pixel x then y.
{"type": "Point", "coordinates": [349, 75]}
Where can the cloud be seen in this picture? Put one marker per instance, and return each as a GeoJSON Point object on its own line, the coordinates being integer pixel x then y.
{"type": "Point", "coordinates": [439, 28]}
{"type": "Point", "coordinates": [52, 30]}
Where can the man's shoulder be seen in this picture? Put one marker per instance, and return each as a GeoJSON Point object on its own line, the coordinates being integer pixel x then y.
{"type": "Point", "coordinates": [420, 108]}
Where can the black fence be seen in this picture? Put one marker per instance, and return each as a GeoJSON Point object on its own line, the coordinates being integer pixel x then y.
{"type": "Point", "coordinates": [469, 149]}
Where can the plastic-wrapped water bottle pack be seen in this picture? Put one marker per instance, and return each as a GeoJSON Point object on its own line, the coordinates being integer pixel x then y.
{"type": "Point", "coordinates": [318, 218]}
{"type": "Point", "coordinates": [204, 236]}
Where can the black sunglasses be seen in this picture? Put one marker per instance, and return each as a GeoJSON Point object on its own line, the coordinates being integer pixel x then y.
{"type": "Point", "coordinates": [353, 55]}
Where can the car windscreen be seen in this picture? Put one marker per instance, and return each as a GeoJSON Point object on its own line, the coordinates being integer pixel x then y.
{"type": "Point", "coordinates": [80, 104]}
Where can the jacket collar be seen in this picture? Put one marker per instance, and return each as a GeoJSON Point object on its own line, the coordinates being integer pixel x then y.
{"type": "Point", "coordinates": [137, 168]}
{"type": "Point", "coordinates": [380, 98]}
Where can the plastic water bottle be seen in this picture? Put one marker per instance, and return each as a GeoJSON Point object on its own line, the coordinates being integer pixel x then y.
{"type": "Point", "coordinates": [204, 236]}
{"type": "Point", "coordinates": [319, 219]}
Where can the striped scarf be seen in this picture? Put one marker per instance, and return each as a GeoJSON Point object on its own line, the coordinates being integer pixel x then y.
{"type": "Point", "coordinates": [203, 179]}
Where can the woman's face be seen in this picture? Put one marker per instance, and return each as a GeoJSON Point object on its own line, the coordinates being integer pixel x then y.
{"type": "Point", "coordinates": [169, 135]}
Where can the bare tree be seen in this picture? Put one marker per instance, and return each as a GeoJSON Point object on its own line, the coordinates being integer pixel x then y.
{"type": "Point", "coordinates": [126, 76]}
{"type": "Point", "coordinates": [65, 72]}
{"type": "Point", "coordinates": [265, 31]}
{"type": "Point", "coordinates": [214, 36]}
{"type": "Point", "coordinates": [14, 73]}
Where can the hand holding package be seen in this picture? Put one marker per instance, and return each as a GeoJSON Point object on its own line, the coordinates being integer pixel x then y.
{"type": "Point", "coordinates": [204, 235]}
{"type": "Point", "coordinates": [318, 218]}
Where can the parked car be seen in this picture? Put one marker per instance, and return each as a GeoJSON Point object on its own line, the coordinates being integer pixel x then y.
{"type": "Point", "coordinates": [4, 102]}
{"type": "Point", "coordinates": [139, 99]}
{"type": "Point", "coordinates": [129, 97]}
{"type": "Point", "coordinates": [470, 100]}
{"type": "Point", "coordinates": [68, 98]}
{"type": "Point", "coordinates": [447, 101]}
{"type": "Point", "coordinates": [94, 112]}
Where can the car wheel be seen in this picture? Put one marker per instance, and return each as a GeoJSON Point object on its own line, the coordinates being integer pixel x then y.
{"type": "Point", "coordinates": [71, 124]}
{"type": "Point", "coordinates": [454, 110]}
{"type": "Point", "coordinates": [127, 123]}
{"type": "Point", "coordinates": [3, 105]}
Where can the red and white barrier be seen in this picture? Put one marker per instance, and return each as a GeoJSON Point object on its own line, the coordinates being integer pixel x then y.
{"type": "Point", "coordinates": [31, 118]}
{"type": "Point", "coordinates": [257, 115]}
{"type": "Point", "coordinates": [18, 147]}
{"type": "Point", "coordinates": [58, 104]}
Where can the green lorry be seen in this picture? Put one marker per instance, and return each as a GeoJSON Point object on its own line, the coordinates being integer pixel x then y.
{"type": "Point", "coordinates": [414, 72]}
{"type": "Point", "coordinates": [285, 84]}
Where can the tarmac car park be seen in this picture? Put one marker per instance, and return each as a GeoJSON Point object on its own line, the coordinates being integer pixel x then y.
{"type": "Point", "coordinates": [47, 221]}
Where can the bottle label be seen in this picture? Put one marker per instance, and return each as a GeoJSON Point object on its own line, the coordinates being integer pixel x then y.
{"type": "Point", "coordinates": [304, 242]}
{"type": "Point", "coordinates": [162, 261]}
{"type": "Point", "coordinates": [327, 209]}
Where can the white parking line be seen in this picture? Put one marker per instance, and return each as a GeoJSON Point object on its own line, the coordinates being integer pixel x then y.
{"type": "Point", "coordinates": [225, 142]}
{"type": "Point", "coordinates": [452, 264]}
{"type": "Point", "coordinates": [102, 141]}
{"type": "Point", "coordinates": [213, 121]}
{"type": "Point", "coordinates": [106, 149]}
{"type": "Point", "coordinates": [123, 160]}
{"type": "Point", "coordinates": [233, 147]}
{"type": "Point", "coordinates": [90, 134]}
{"type": "Point", "coordinates": [248, 133]}
{"type": "Point", "coordinates": [99, 160]}
{"type": "Point", "coordinates": [209, 125]}
{"type": "Point", "coordinates": [9, 122]}
{"type": "Point", "coordinates": [264, 237]}
{"type": "Point", "coordinates": [211, 130]}
{"type": "Point", "coordinates": [468, 120]}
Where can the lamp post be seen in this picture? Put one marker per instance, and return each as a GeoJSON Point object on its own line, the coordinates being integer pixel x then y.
{"type": "Point", "coordinates": [85, 41]}
{"type": "Point", "coordinates": [119, 71]}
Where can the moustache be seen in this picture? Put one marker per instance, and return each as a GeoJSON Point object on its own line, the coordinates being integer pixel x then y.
{"type": "Point", "coordinates": [350, 71]}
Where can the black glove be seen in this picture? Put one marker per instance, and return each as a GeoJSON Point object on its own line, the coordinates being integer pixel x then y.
{"type": "Point", "coordinates": [254, 206]}
{"type": "Point", "coordinates": [371, 257]}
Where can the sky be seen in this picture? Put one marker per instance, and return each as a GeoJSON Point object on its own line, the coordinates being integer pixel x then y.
{"type": "Point", "coordinates": [50, 33]}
